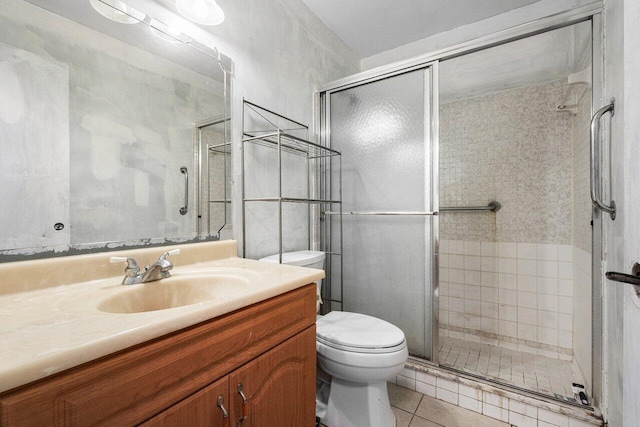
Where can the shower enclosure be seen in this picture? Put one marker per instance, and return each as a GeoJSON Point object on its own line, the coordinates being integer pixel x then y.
{"type": "Point", "coordinates": [466, 211]}
{"type": "Point", "coordinates": [384, 131]}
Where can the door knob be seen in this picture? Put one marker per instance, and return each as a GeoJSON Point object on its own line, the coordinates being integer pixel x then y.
{"type": "Point", "coordinates": [632, 279]}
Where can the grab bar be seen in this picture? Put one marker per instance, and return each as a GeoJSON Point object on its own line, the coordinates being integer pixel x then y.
{"type": "Point", "coordinates": [395, 213]}
{"type": "Point", "coordinates": [492, 206]}
{"type": "Point", "coordinates": [185, 172]}
{"type": "Point", "coordinates": [595, 159]}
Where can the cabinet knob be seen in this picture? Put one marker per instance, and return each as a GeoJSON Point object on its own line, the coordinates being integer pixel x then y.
{"type": "Point", "coordinates": [225, 414]}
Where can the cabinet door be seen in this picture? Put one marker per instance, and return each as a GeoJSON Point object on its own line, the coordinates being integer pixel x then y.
{"type": "Point", "coordinates": [278, 388]}
{"type": "Point", "coordinates": [206, 408]}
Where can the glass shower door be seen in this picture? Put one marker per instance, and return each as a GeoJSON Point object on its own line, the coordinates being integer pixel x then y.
{"type": "Point", "coordinates": [383, 130]}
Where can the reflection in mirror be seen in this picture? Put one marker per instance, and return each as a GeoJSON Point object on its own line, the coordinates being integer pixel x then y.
{"type": "Point", "coordinates": [97, 119]}
{"type": "Point", "coordinates": [215, 184]}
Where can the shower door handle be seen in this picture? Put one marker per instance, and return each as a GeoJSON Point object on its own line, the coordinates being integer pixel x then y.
{"type": "Point", "coordinates": [595, 160]}
{"type": "Point", "coordinates": [185, 208]}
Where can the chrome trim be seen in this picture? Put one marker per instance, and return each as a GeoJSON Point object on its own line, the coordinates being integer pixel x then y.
{"type": "Point", "coordinates": [244, 185]}
{"type": "Point", "coordinates": [595, 159]}
{"type": "Point", "coordinates": [597, 235]}
{"type": "Point", "coordinates": [382, 213]}
{"type": "Point", "coordinates": [541, 25]}
{"type": "Point", "coordinates": [435, 221]}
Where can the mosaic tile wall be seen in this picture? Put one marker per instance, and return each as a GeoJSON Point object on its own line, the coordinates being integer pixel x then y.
{"type": "Point", "coordinates": [507, 277]}
{"type": "Point", "coordinates": [581, 173]}
{"type": "Point", "coordinates": [515, 148]}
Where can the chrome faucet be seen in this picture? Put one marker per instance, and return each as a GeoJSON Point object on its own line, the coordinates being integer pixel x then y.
{"type": "Point", "coordinates": [158, 270]}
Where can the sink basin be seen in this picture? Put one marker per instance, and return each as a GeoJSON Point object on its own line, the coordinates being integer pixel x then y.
{"type": "Point", "coordinates": [177, 291]}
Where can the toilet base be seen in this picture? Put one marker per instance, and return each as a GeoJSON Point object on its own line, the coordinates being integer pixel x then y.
{"type": "Point", "coordinates": [356, 404]}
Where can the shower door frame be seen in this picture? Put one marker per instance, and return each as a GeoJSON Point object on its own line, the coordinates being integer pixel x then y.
{"type": "Point", "coordinates": [430, 135]}
{"type": "Point", "coordinates": [591, 12]}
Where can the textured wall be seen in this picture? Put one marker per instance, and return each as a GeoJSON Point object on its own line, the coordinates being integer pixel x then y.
{"type": "Point", "coordinates": [614, 232]}
{"type": "Point", "coordinates": [515, 148]}
{"type": "Point", "coordinates": [628, 164]}
{"type": "Point", "coordinates": [281, 53]}
{"type": "Point", "coordinates": [34, 159]}
{"type": "Point", "coordinates": [130, 126]}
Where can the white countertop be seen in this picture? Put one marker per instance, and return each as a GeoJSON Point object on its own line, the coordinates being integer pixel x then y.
{"type": "Point", "coordinates": [58, 326]}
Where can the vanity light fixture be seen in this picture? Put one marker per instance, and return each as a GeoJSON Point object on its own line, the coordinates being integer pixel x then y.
{"type": "Point", "coordinates": [204, 12]}
{"type": "Point", "coordinates": [167, 32]}
{"type": "Point", "coordinates": [117, 11]}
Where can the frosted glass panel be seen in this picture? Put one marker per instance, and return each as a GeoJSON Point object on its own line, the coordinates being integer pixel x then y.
{"type": "Point", "coordinates": [382, 130]}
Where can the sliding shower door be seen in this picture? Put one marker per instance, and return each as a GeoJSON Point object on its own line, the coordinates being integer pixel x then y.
{"type": "Point", "coordinates": [384, 131]}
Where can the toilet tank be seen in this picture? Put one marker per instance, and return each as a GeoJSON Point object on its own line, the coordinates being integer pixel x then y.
{"type": "Point", "coordinates": [310, 259]}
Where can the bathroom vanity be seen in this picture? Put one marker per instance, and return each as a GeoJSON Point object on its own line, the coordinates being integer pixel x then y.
{"type": "Point", "coordinates": [250, 363]}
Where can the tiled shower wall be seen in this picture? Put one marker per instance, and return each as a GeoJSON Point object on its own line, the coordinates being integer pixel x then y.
{"type": "Point", "coordinates": [515, 295]}
{"type": "Point", "coordinates": [507, 277]}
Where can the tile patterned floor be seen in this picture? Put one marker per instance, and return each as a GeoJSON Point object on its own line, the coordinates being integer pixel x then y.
{"type": "Point", "coordinates": [413, 409]}
{"type": "Point", "coordinates": [525, 370]}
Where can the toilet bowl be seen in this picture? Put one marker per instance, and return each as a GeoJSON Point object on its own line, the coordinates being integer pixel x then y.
{"type": "Point", "coordinates": [359, 353]}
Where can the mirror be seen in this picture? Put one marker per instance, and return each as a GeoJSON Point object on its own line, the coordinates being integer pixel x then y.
{"type": "Point", "coordinates": [113, 129]}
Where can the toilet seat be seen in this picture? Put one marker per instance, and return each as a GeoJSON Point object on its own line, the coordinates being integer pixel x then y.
{"type": "Point", "coordinates": [358, 333]}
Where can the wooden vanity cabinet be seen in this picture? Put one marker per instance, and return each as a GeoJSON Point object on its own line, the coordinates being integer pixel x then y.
{"type": "Point", "coordinates": [208, 407]}
{"type": "Point", "coordinates": [176, 380]}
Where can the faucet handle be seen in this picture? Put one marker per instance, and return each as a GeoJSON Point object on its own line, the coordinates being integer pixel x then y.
{"type": "Point", "coordinates": [131, 269]}
{"type": "Point", "coordinates": [171, 252]}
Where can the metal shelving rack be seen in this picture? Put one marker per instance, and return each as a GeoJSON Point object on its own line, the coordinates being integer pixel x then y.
{"type": "Point", "coordinates": [272, 130]}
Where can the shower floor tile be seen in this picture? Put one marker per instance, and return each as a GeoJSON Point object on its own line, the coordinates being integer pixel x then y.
{"type": "Point", "coordinates": [525, 370]}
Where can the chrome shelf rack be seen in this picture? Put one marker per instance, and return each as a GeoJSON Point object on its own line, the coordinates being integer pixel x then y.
{"type": "Point", "coordinates": [265, 128]}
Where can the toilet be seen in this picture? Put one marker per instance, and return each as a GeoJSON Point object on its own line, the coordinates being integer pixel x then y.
{"type": "Point", "coordinates": [356, 356]}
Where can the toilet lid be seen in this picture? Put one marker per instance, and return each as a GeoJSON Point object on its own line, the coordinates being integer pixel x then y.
{"type": "Point", "coordinates": [358, 331]}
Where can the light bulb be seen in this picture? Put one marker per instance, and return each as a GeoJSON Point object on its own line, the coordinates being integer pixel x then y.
{"type": "Point", "coordinates": [200, 8]}
{"type": "Point", "coordinates": [204, 12]}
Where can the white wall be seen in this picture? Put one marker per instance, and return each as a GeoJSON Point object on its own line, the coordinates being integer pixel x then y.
{"type": "Point", "coordinates": [631, 405]}
{"type": "Point", "coordinates": [281, 54]}
{"type": "Point", "coordinates": [623, 310]}
{"type": "Point", "coordinates": [614, 230]}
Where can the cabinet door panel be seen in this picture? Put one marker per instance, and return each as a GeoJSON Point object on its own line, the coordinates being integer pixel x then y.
{"type": "Point", "coordinates": [279, 386]}
{"type": "Point", "coordinates": [199, 410]}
